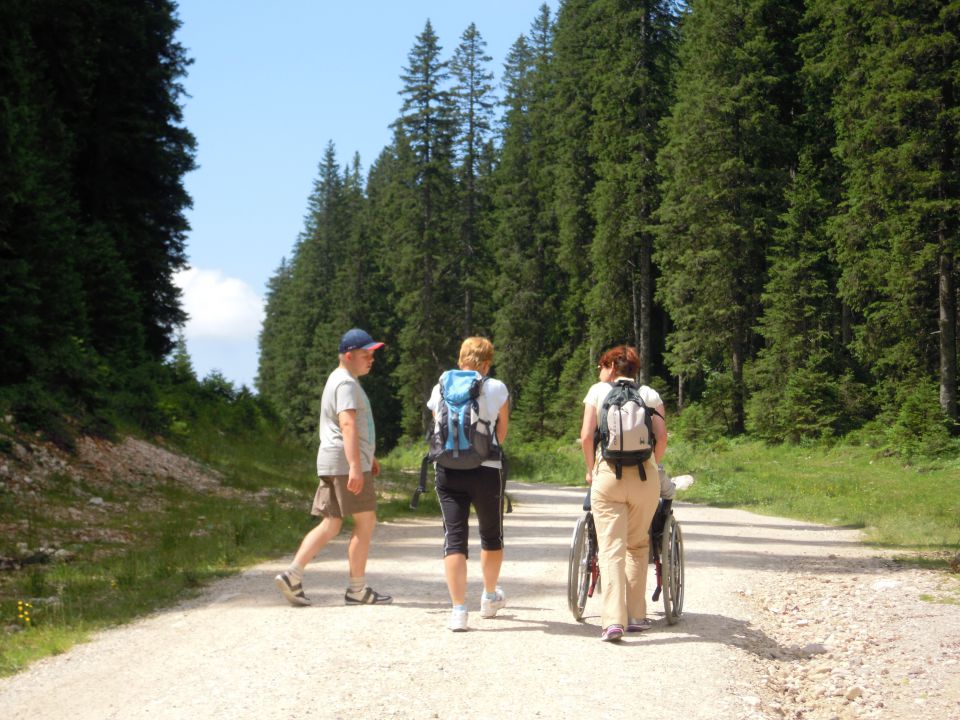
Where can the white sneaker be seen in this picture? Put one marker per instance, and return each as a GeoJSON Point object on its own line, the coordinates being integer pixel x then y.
{"type": "Point", "coordinates": [490, 607]}
{"type": "Point", "coordinates": [293, 593]}
{"type": "Point", "coordinates": [458, 620]}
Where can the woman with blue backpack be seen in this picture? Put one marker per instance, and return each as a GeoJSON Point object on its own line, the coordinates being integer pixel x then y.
{"type": "Point", "coordinates": [624, 436]}
{"type": "Point", "coordinates": [471, 414]}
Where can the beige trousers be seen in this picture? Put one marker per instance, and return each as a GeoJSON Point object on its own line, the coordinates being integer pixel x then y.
{"type": "Point", "coordinates": [623, 510]}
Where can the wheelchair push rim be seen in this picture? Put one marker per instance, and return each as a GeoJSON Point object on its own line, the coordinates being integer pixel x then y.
{"type": "Point", "coordinates": [671, 558]}
{"type": "Point", "coordinates": [580, 568]}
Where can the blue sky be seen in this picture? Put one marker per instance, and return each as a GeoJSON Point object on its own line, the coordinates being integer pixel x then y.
{"type": "Point", "coordinates": [270, 85]}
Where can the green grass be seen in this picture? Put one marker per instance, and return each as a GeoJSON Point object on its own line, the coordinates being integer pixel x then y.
{"type": "Point", "coordinates": [159, 543]}
{"type": "Point", "coordinates": [170, 540]}
{"type": "Point", "coordinates": [176, 551]}
{"type": "Point", "coordinates": [915, 508]}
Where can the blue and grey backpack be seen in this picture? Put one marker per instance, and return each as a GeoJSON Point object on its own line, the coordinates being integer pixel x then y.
{"type": "Point", "coordinates": [460, 438]}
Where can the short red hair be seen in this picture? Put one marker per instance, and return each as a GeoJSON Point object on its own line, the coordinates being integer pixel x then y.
{"type": "Point", "coordinates": [622, 358]}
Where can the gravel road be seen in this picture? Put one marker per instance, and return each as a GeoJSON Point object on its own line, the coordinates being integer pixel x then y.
{"type": "Point", "coordinates": [782, 620]}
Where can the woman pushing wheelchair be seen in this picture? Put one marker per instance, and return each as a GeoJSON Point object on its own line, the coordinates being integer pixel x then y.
{"type": "Point", "coordinates": [624, 437]}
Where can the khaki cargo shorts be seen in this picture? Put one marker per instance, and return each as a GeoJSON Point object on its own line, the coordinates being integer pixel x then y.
{"type": "Point", "coordinates": [335, 501]}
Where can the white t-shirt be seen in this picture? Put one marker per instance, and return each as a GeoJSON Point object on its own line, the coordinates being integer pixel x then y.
{"type": "Point", "coordinates": [492, 397]}
{"type": "Point", "coordinates": [598, 393]}
{"type": "Point", "coordinates": [344, 392]}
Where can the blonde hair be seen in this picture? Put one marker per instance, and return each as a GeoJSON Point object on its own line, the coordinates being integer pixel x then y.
{"type": "Point", "coordinates": [475, 352]}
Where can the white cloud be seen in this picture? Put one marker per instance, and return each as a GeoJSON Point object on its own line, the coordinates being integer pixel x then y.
{"type": "Point", "coordinates": [219, 307]}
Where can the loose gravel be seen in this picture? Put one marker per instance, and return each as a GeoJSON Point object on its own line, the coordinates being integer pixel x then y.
{"type": "Point", "coordinates": [782, 619]}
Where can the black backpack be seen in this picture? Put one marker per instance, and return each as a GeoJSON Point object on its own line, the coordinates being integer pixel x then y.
{"type": "Point", "coordinates": [625, 427]}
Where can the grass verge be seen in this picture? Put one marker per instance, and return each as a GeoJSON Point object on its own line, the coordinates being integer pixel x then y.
{"type": "Point", "coordinates": [81, 551]}
{"type": "Point", "coordinates": [915, 507]}
{"type": "Point", "coordinates": [150, 544]}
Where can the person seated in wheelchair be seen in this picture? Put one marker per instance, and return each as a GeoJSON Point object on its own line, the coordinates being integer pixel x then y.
{"type": "Point", "coordinates": [624, 438]}
{"type": "Point", "coordinates": [668, 489]}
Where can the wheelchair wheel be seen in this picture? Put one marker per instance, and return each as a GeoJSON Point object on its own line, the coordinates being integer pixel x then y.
{"type": "Point", "coordinates": [579, 571]}
{"type": "Point", "coordinates": [671, 558]}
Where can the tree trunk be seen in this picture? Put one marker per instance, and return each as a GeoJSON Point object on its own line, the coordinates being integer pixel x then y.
{"type": "Point", "coordinates": [947, 289]}
{"type": "Point", "coordinates": [646, 298]}
{"type": "Point", "coordinates": [948, 337]}
{"type": "Point", "coordinates": [737, 394]}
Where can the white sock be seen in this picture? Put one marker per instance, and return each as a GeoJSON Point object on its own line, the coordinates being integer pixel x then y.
{"type": "Point", "coordinates": [357, 584]}
{"type": "Point", "coordinates": [296, 573]}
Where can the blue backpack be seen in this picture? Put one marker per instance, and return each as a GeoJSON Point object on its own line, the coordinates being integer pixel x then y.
{"type": "Point", "coordinates": [460, 438]}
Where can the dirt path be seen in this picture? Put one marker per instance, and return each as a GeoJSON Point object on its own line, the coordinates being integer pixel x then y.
{"type": "Point", "coordinates": [767, 628]}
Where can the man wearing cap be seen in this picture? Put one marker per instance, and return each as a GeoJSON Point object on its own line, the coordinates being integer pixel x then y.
{"type": "Point", "coordinates": [346, 466]}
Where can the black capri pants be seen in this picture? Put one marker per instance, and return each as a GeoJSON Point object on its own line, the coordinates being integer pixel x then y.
{"type": "Point", "coordinates": [456, 490]}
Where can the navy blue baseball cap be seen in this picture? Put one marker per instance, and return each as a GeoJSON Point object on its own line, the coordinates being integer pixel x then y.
{"type": "Point", "coordinates": [357, 339]}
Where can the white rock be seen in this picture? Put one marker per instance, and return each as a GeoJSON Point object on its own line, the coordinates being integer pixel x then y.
{"type": "Point", "coordinates": [886, 584]}
{"type": "Point", "coordinates": [96, 501]}
{"type": "Point", "coordinates": [854, 692]}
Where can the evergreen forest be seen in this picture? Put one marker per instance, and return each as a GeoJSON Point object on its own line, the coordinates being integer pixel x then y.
{"type": "Point", "coordinates": [92, 227]}
{"type": "Point", "coordinates": [762, 196]}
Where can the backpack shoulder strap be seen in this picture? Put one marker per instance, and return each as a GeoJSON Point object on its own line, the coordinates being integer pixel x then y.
{"type": "Point", "coordinates": [477, 387]}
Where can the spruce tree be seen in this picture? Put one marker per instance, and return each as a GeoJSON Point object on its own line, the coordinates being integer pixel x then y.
{"type": "Point", "coordinates": [423, 247]}
{"type": "Point", "coordinates": [725, 165]}
{"type": "Point", "coordinates": [796, 378]}
{"type": "Point", "coordinates": [578, 34]}
{"type": "Point", "coordinates": [630, 87]}
{"type": "Point", "coordinates": [473, 99]}
{"type": "Point", "coordinates": [92, 201]}
{"type": "Point", "coordinates": [296, 339]}
{"type": "Point", "coordinates": [41, 295]}
{"type": "Point", "coordinates": [897, 235]}
{"type": "Point", "coordinates": [132, 154]}
{"type": "Point", "coordinates": [528, 337]}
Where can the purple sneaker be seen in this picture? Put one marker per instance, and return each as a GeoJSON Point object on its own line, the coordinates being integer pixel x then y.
{"type": "Point", "coordinates": [639, 625]}
{"type": "Point", "coordinates": [612, 633]}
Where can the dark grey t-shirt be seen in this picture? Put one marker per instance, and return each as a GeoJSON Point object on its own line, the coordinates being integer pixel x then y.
{"type": "Point", "coordinates": [343, 392]}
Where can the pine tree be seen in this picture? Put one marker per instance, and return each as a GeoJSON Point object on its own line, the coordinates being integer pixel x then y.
{"type": "Point", "coordinates": [132, 154]}
{"type": "Point", "coordinates": [299, 338]}
{"type": "Point", "coordinates": [519, 320]}
{"type": "Point", "coordinates": [180, 362]}
{"type": "Point", "coordinates": [897, 236]}
{"type": "Point", "coordinates": [529, 286]}
{"type": "Point", "coordinates": [273, 366]}
{"type": "Point", "coordinates": [41, 294]}
{"type": "Point", "coordinates": [92, 201]}
{"type": "Point", "coordinates": [631, 83]}
{"type": "Point", "coordinates": [796, 378]}
{"type": "Point", "coordinates": [725, 165]}
{"type": "Point", "coordinates": [473, 98]}
{"type": "Point", "coordinates": [578, 33]}
{"type": "Point", "coordinates": [804, 383]}
{"type": "Point", "coordinates": [423, 245]}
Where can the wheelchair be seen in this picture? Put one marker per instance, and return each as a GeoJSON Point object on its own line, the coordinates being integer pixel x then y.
{"type": "Point", "coordinates": [666, 551]}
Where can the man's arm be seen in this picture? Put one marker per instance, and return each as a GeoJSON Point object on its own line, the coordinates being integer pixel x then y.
{"type": "Point", "coordinates": [351, 447]}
